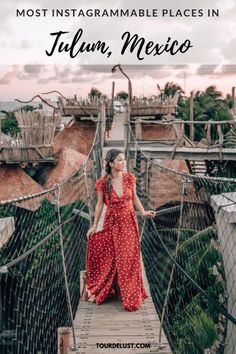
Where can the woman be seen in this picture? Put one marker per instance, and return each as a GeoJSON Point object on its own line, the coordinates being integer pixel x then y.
{"type": "Point", "coordinates": [113, 254]}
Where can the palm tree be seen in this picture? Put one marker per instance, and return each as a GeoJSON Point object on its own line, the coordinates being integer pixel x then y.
{"type": "Point", "coordinates": [94, 93]}
{"type": "Point", "coordinates": [208, 105]}
{"type": "Point", "coordinates": [122, 95]}
{"type": "Point", "coordinates": [213, 92]}
{"type": "Point", "coordinates": [170, 89]}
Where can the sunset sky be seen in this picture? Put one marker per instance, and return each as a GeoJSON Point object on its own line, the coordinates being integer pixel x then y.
{"type": "Point", "coordinates": [25, 81]}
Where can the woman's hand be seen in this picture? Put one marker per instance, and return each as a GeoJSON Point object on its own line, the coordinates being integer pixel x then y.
{"type": "Point", "coordinates": [91, 231]}
{"type": "Point", "coordinates": [149, 213]}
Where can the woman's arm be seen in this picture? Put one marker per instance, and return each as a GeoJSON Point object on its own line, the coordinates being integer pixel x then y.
{"type": "Point", "coordinates": [136, 201]}
{"type": "Point", "coordinates": [99, 207]}
{"type": "Point", "coordinates": [138, 205]}
{"type": "Point", "coordinates": [98, 212]}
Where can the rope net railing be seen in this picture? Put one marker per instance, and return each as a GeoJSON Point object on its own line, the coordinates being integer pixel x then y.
{"type": "Point", "coordinates": [43, 244]}
{"type": "Point", "coordinates": [189, 253]}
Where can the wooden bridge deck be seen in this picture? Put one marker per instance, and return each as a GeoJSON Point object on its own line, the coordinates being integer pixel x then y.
{"type": "Point", "coordinates": [99, 325]}
{"type": "Point", "coordinates": [109, 322]}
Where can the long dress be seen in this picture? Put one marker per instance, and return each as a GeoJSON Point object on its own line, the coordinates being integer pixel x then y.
{"type": "Point", "coordinates": [114, 252]}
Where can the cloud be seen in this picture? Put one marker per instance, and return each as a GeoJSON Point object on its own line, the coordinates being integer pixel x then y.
{"type": "Point", "coordinates": [33, 69]}
{"type": "Point", "coordinates": [216, 70]}
{"type": "Point", "coordinates": [29, 72]}
{"type": "Point", "coordinates": [58, 73]}
{"type": "Point", "coordinates": [62, 72]}
{"type": "Point", "coordinates": [10, 75]}
{"type": "Point", "coordinates": [228, 70]}
{"type": "Point", "coordinates": [133, 71]}
{"type": "Point", "coordinates": [4, 81]}
{"type": "Point", "coordinates": [102, 73]}
{"type": "Point", "coordinates": [206, 70]}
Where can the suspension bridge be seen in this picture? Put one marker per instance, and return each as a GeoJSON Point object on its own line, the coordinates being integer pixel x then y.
{"type": "Point", "coordinates": [188, 266]}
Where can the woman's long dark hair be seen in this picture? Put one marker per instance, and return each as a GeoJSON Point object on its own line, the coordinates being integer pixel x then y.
{"type": "Point", "coordinates": [110, 157]}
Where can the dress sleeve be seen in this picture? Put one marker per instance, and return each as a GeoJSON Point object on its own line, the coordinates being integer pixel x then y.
{"type": "Point", "coordinates": [99, 185]}
{"type": "Point", "coordinates": [132, 179]}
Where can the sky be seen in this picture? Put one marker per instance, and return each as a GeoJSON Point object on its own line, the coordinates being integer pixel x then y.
{"type": "Point", "coordinates": [25, 70]}
{"type": "Point", "coordinates": [25, 81]}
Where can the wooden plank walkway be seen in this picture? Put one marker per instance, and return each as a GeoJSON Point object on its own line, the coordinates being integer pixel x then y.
{"type": "Point", "coordinates": [98, 325]}
{"type": "Point", "coordinates": [109, 322]}
{"type": "Point", "coordinates": [117, 132]}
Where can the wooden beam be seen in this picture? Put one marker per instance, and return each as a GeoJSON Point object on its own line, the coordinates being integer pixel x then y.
{"type": "Point", "coordinates": [180, 121]}
{"type": "Point", "coordinates": [7, 227]}
{"type": "Point", "coordinates": [188, 153]}
{"type": "Point", "coordinates": [82, 214]}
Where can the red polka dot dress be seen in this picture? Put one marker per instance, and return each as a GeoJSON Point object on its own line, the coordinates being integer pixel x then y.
{"type": "Point", "coordinates": [114, 252]}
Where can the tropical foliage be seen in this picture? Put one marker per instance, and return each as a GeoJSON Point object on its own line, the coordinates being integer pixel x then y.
{"type": "Point", "coordinates": [170, 89]}
{"type": "Point", "coordinates": [9, 124]}
{"type": "Point", "coordinates": [94, 93]}
{"type": "Point", "coordinates": [202, 261]}
{"type": "Point", "coordinates": [122, 95]}
{"type": "Point", "coordinates": [191, 320]}
{"type": "Point", "coordinates": [207, 105]}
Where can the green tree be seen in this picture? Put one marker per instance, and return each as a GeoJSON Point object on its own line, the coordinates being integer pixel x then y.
{"type": "Point", "coordinates": [207, 105]}
{"type": "Point", "coordinates": [94, 93]}
{"type": "Point", "coordinates": [198, 256]}
{"type": "Point", "coordinates": [229, 100]}
{"type": "Point", "coordinates": [9, 124]}
{"type": "Point", "coordinates": [29, 108]}
{"type": "Point", "coordinates": [122, 95]}
{"type": "Point", "coordinates": [170, 89]}
{"type": "Point", "coordinates": [213, 92]}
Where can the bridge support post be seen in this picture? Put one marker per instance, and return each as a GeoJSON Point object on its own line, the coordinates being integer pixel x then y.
{"type": "Point", "coordinates": [83, 288]}
{"type": "Point", "coordinates": [138, 169]}
{"type": "Point", "coordinates": [127, 134]}
{"type": "Point", "coordinates": [191, 117]}
{"type": "Point", "coordinates": [98, 147]}
{"type": "Point", "coordinates": [98, 160]}
{"type": "Point", "coordinates": [64, 340]}
{"type": "Point", "coordinates": [147, 181]}
{"type": "Point", "coordinates": [233, 99]}
{"type": "Point", "coordinates": [138, 129]}
{"type": "Point", "coordinates": [225, 208]}
{"type": "Point", "coordinates": [102, 118]}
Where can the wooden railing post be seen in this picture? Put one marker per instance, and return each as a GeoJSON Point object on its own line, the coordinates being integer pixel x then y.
{"type": "Point", "coordinates": [97, 158]}
{"type": "Point", "coordinates": [138, 129]}
{"type": "Point", "coordinates": [63, 340]}
{"type": "Point", "coordinates": [191, 117]}
{"type": "Point", "coordinates": [233, 99]}
{"type": "Point", "coordinates": [112, 97]}
{"type": "Point", "coordinates": [127, 133]}
{"type": "Point", "coordinates": [98, 146]}
{"type": "Point", "coordinates": [83, 287]}
{"type": "Point", "coordinates": [103, 123]}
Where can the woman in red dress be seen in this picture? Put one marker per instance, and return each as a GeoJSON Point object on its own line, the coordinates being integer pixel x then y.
{"type": "Point", "coordinates": [113, 259]}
